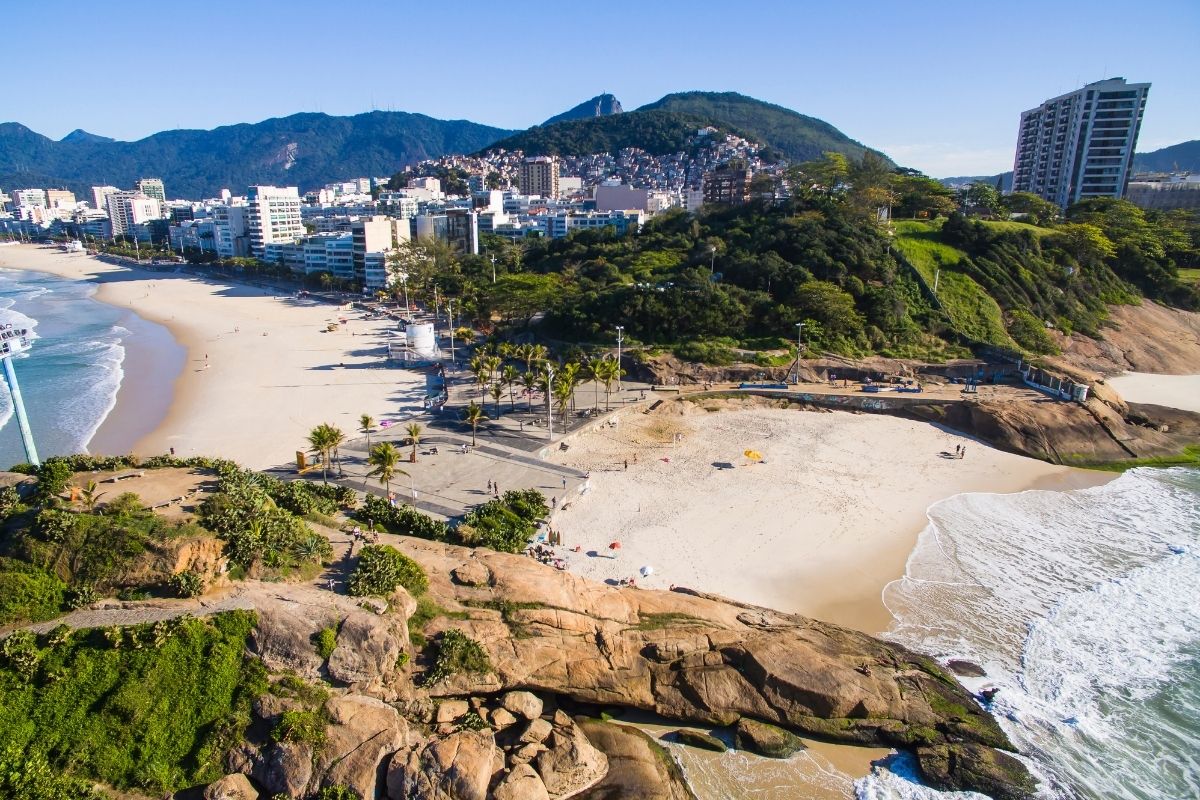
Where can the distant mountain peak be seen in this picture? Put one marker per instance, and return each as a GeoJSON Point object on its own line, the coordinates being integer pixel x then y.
{"type": "Point", "coordinates": [602, 105]}
{"type": "Point", "coordinates": [80, 135]}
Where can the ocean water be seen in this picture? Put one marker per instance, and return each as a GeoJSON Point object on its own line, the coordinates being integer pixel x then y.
{"type": "Point", "coordinates": [1084, 609]}
{"type": "Point", "coordinates": [70, 377]}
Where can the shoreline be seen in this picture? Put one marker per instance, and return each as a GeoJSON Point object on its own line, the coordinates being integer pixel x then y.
{"type": "Point", "coordinates": [819, 528]}
{"type": "Point", "coordinates": [256, 370]}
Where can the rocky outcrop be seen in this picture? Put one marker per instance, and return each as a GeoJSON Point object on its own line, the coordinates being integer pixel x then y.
{"type": "Point", "coordinates": [638, 766]}
{"type": "Point", "coordinates": [1144, 338]}
{"type": "Point", "coordinates": [458, 767]}
{"type": "Point", "coordinates": [361, 734]}
{"type": "Point", "coordinates": [690, 657]}
{"type": "Point", "coordinates": [231, 787]}
{"type": "Point", "coordinates": [1071, 433]}
{"type": "Point", "coordinates": [766, 740]}
{"type": "Point", "coordinates": [570, 763]}
{"type": "Point", "coordinates": [521, 783]}
{"type": "Point", "coordinates": [704, 741]}
{"type": "Point", "coordinates": [979, 769]}
{"type": "Point", "coordinates": [368, 647]}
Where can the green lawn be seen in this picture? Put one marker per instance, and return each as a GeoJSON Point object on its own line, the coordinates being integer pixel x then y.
{"type": "Point", "coordinates": [1012, 225]}
{"type": "Point", "coordinates": [970, 308]}
{"type": "Point", "coordinates": [1189, 275]}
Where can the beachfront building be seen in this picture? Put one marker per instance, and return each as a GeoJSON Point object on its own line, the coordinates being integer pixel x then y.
{"type": "Point", "coordinates": [539, 175]}
{"type": "Point", "coordinates": [1081, 144]}
{"type": "Point", "coordinates": [457, 227]}
{"type": "Point", "coordinates": [128, 210]}
{"type": "Point", "coordinates": [229, 231]}
{"type": "Point", "coordinates": [376, 236]}
{"type": "Point", "coordinates": [100, 196]}
{"type": "Point", "coordinates": [273, 217]}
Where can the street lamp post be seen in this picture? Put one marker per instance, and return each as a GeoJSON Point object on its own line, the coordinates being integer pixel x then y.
{"type": "Point", "coordinates": [493, 267]}
{"type": "Point", "coordinates": [799, 347]}
{"type": "Point", "coordinates": [549, 410]}
{"type": "Point", "coordinates": [936, 277]}
{"type": "Point", "coordinates": [712, 263]}
{"type": "Point", "coordinates": [450, 323]}
{"type": "Point", "coordinates": [620, 328]}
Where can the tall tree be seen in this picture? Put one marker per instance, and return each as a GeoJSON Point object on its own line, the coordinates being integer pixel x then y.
{"type": "Point", "coordinates": [384, 457]}
{"type": "Point", "coordinates": [473, 415]}
{"type": "Point", "coordinates": [366, 424]}
{"type": "Point", "coordinates": [321, 441]}
{"type": "Point", "coordinates": [414, 434]}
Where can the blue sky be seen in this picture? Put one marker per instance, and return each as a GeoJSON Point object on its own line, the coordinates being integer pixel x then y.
{"type": "Point", "coordinates": [938, 85]}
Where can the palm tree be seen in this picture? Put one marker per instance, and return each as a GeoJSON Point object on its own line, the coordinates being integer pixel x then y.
{"type": "Point", "coordinates": [89, 496]}
{"type": "Point", "coordinates": [562, 391]}
{"type": "Point", "coordinates": [384, 457]}
{"type": "Point", "coordinates": [524, 352]}
{"type": "Point", "coordinates": [473, 416]}
{"type": "Point", "coordinates": [530, 380]}
{"type": "Point", "coordinates": [497, 392]}
{"type": "Point", "coordinates": [569, 376]}
{"type": "Point", "coordinates": [610, 370]}
{"type": "Point", "coordinates": [591, 372]}
{"type": "Point", "coordinates": [481, 366]}
{"type": "Point", "coordinates": [414, 433]}
{"type": "Point", "coordinates": [537, 354]}
{"type": "Point", "coordinates": [504, 350]}
{"type": "Point", "coordinates": [320, 442]}
{"type": "Point", "coordinates": [508, 377]}
{"type": "Point", "coordinates": [366, 424]}
{"type": "Point", "coordinates": [338, 438]}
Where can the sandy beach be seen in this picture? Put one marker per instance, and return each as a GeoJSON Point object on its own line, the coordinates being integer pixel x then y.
{"type": "Point", "coordinates": [819, 527]}
{"type": "Point", "coordinates": [259, 372]}
{"type": "Point", "coordinates": [1174, 391]}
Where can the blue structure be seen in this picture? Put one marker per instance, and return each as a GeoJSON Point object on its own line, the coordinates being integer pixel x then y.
{"type": "Point", "coordinates": [14, 341]}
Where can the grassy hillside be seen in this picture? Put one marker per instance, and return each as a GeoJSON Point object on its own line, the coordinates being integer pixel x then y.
{"type": "Point", "coordinates": [657, 132]}
{"type": "Point", "coordinates": [971, 310]}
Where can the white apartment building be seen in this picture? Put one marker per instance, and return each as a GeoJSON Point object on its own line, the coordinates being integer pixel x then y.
{"type": "Point", "coordinates": [1080, 144]}
{"type": "Point", "coordinates": [229, 231]}
{"type": "Point", "coordinates": [28, 197]}
{"type": "Point", "coordinates": [273, 217]}
{"type": "Point", "coordinates": [375, 236]}
{"type": "Point", "coordinates": [100, 196]}
{"type": "Point", "coordinates": [127, 210]}
{"type": "Point", "coordinates": [399, 204]}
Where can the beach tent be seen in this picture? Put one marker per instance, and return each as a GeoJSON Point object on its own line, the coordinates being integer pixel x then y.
{"type": "Point", "coordinates": [753, 455]}
{"type": "Point", "coordinates": [646, 571]}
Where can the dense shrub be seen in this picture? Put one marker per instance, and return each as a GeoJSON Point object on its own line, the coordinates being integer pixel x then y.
{"type": "Point", "coordinates": [505, 524]}
{"type": "Point", "coordinates": [186, 584]}
{"type": "Point", "coordinates": [27, 593]}
{"type": "Point", "coordinates": [153, 707]}
{"type": "Point", "coordinates": [326, 642]}
{"type": "Point", "coordinates": [256, 531]}
{"type": "Point", "coordinates": [401, 520]}
{"type": "Point", "coordinates": [52, 477]}
{"type": "Point", "coordinates": [1030, 333]}
{"type": "Point", "coordinates": [455, 652]}
{"type": "Point", "coordinates": [27, 775]}
{"type": "Point", "coordinates": [381, 568]}
{"type": "Point", "coordinates": [300, 726]}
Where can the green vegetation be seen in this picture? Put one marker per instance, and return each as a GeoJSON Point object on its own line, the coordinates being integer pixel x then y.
{"type": "Point", "coordinates": [152, 707]}
{"type": "Point", "coordinates": [505, 524]}
{"type": "Point", "coordinates": [427, 611]}
{"type": "Point", "coordinates": [306, 727]}
{"type": "Point", "coordinates": [326, 642]}
{"type": "Point", "coordinates": [401, 520]}
{"type": "Point", "coordinates": [657, 132]}
{"type": "Point", "coordinates": [654, 622]}
{"type": "Point", "coordinates": [381, 568]}
{"type": "Point", "coordinates": [1188, 457]}
{"type": "Point", "coordinates": [337, 792]}
{"type": "Point", "coordinates": [455, 652]}
{"type": "Point", "coordinates": [27, 775]}
{"type": "Point", "coordinates": [1190, 276]}
{"type": "Point", "coordinates": [186, 584]}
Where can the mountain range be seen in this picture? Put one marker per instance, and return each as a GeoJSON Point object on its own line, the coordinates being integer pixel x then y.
{"type": "Point", "coordinates": [309, 149]}
{"type": "Point", "coordinates": [1182, 157]}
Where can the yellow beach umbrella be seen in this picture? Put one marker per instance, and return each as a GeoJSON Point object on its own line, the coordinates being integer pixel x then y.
{"type": "Point", "coordinates": [753, 455]}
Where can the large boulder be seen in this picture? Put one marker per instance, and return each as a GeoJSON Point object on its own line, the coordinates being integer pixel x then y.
{"type": "Point", "coordinates": [457, 767]}
{"type": "Point", "coordinates": [231, 787]}
{"type": "Point", "coordinates": [980, 769]}
{"type": "Point", "coordinates": [362, 733]}
{"type": "Point", "coordinates": [522, 704]}
{"type": "Point", "coordinates": [638, 766]}
{"type": "Point", "coordinates": [283, 639]}
{"type": "Point", "coordinates": [279, 767]}
{"type": "Point", "coordinates": [766, 740]}
{"type": "Point", "coordinates": [700, 739]}
{"type": "Point", "coordinates": [368, 647]}
{"type": "Point", "coordinates": [521, 783]}
{"type": "Point", "coordinates": [570, 763]}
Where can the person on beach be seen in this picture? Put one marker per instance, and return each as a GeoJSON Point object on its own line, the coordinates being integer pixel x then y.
{"type": "Point", "coordinates": [962, 453]}
{"type": "Point", "coordinates": [496, 489]}
{"type": "Point", "coordinates": [489, 485]}
{"type": "Point", "coordinates": [564, 483]}
{"type": "Point", "coordinates": [627, 463]}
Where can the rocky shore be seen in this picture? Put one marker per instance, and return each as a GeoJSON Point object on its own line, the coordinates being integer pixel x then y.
{"type": "Point", "coordinates": [564, 653]}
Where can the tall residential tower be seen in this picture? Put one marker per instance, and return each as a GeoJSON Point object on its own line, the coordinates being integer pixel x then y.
{"type": "Point", "coordinates": [1080, 144]}
{"type": "Point", "coordinates": [273, 217]}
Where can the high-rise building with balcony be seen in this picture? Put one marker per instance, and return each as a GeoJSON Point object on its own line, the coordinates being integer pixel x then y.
{"type": "Point", "coordinates": [152, 187]}
{"type": "Point", "coordinates": [127, 210]}
{"type": "Point", "coordinates": [1080, 144]}
{"type": "Point", "coordinates": [539, 176]}
{"type": "Point", "coordinates": [272, 217]}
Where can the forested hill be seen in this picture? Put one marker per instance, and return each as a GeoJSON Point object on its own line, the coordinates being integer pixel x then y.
{"type": "Point", "coordinates": [1182, 157]}
{"type": "Point", "coordinates": [744, 277]}
{"type": "Point", "coordinates": [305, 150]}
{"type": "Point", "coordinates": [665, 126]}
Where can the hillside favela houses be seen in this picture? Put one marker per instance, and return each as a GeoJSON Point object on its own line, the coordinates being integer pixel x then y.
{"type": "Point", "coordinates": [347, 229]}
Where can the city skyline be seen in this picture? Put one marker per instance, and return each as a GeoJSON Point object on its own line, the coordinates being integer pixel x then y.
{"type": "Point", "coordinates": [939, 88]}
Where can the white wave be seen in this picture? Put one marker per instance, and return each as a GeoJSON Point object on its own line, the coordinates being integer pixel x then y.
{"type": "Point", "coordinates": [897, 778]}
{"type": "Point", "coordinates": [1082, 607]}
